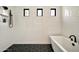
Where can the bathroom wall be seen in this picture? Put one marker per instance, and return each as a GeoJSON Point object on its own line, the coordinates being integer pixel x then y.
{"type": "Point", "coordinates": [70, 20]}
{"type": "Point", "coordinates": [6, 33]}
{"type": "Point", "coordinates": [33, 29]}
{"type": "Point", "coordinates": [29, 30]}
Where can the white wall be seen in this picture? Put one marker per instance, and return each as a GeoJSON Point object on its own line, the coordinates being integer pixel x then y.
{"type": "Point", "coordinates": [33, 29]}
{"type": "Point", "coordinates": [71, 23]}
{"type": "Point", "coordinates": [29, 30]}
{"type": "Point", "coordinates": [6, 34]}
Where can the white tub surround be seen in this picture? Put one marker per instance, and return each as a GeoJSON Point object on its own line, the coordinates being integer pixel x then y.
{"type": "Point", "coordinates": [63, 44]}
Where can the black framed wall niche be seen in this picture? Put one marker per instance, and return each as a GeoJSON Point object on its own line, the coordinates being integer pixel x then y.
{"type": "Point", "coordinates": [26, 12]}
{"type": "Point", "coordinates": [53, 11]}
{"type": "Point", "coordinates": [39, 12]}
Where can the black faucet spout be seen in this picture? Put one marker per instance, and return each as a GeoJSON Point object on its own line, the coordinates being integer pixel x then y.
{"type": "Point", "coordinates": [73, 36]}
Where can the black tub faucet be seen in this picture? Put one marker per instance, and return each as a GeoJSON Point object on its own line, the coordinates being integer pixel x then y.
{"type": "Point", "coordinates": [73, 38]}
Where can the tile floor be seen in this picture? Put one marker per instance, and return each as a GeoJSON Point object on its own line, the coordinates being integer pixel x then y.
{"type": "Point", "coordinates": [30, 48]}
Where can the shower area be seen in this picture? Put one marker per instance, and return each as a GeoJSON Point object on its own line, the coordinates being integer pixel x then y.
{"type": "Point", "coordinates": [26, 28]}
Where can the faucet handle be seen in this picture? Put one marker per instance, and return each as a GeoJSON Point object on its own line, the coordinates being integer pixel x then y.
{"type": "Point", "coordinates": [71, 39]}
{"type": "Point", "coordinates": [73, 44]}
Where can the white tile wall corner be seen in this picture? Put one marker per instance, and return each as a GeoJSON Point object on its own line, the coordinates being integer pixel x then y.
{"type": "Point", "coordinates": [71, 23]}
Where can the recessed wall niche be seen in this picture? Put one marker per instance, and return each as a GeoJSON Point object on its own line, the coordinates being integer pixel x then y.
{"type": "Point", "coordinates": [26, 12]}
{"type": "Point", "coordinates": [53, 11]}
{"type": "Point", "coordinates": [39, 12]}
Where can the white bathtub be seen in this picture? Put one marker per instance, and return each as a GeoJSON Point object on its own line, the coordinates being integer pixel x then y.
{"type": "Point", "coordinates": [63, 44]}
